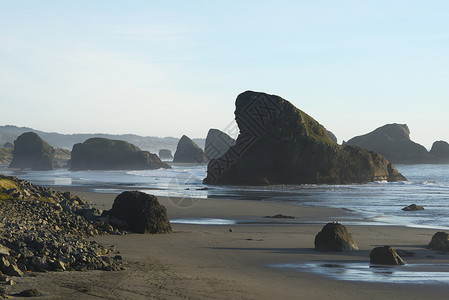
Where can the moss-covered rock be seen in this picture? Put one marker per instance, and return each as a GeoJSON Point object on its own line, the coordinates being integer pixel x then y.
{"type": "Point", "coordinates": [30, 151]}
{"type": "Point", "coordinates": [280, 144]}
{"type": "Point", "coordinates": [105, 154]}
{"type": "Point", "coordinates": [187, 151]}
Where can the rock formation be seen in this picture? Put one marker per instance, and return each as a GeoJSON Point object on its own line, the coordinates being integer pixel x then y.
{"type": "Point", "coordinates": [439, 242]}
{"type": "Point", "coordinates": [280, 144]}
{"type": "Point", "coordinates": [30, 151]}
{"type": "Point", "coordinates": [141, 212]}
{"type": "Point", "coordinates": [385, 256]}
{"type": "Point", "coordinates": [105, 154]}
{"type": "Point", "coordinates": [335, 237]}
{"type": "Point", "coordinates": [413, 207]}
{"type": "Point", "coordinates": [440, 152]}
{"type": "Point", "coordinates": [44, 230]}
{"type": "Point", "coordinates": [8, 145]}
{"type": "Point", "coordinates": [393, 142]}
{"type": "Point", "coordinates": [189, 152]}
{"type": "Point", "coordinates": [217, 143]}
{"type": "Point", "coordinates": [165, 154]}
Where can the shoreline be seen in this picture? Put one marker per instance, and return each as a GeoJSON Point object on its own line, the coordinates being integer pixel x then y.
{"type": "Point", "coordinates": [210, 262]}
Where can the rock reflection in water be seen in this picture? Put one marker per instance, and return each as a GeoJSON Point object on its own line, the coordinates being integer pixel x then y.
{"type": "Point", "coordinates": [412, 273]}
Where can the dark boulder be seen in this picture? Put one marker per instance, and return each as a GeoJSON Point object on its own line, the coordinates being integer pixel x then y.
{"type": "Point", "coordinates": [30, 151]}
{"type": "Point", "coordinates": [105, 154]}
{"type": "Point", "coordinates": [187, 151]}
{"type": "Point", "coordinates": [413, 207]}
{"type": "Point", "coordinates": [217, 143]}
{"type": "Point", "coordinates": [440, 152]}
{"type": "Point", "coordinates": [280, 144]}
{"type": "Point", "coordinates": [385, 256]}
{"type": "Point", "coordinates": [141, 212]}
{"type": "Point", "coordinates": [165, 154]}
{"type": "Point", "coordinates": [393, 142]}
{"type": "Point", "coordinates": [335, 237]}
{"type": "Point", "coordinates": [8, 145]}
{"type": "Point", "coordinates": [439, 242]}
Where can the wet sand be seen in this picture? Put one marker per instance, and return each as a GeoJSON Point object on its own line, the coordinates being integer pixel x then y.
{"type": "Point", "coordinates": [211, 262]}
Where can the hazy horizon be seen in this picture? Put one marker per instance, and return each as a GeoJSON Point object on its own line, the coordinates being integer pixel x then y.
{"type": "Point", "coordinates": [167, 69]}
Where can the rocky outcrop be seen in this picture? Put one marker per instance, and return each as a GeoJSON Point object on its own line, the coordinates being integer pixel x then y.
{"type": "Point", "coordinates": [105, 154]}
{"type": "Point", "coordinates": [280, 144]}
{"type": "Point", "coordinates": [332, 136]}
{"type": "Point", "coordinates": [165, 154]}
{"type": "Point", "coordinates": [393, 142]}
{"type": "Point", "coordinates": [141, 212]}
{"type": "Point", "coordinates": [439, 242]}
{"type": "Point", "coordinates": [30, 151]}
{"type": "Point", "coordinates": [8, 145]}
{"type": "Point", "coordinates": [413, 207]}
{"type": "Point", "coordinates": [385, 256]}
{"type": "Point", "coordinates": [189, 152]}
{"type": "Point", "coordinates": [217, 143]}
{"type": "Point", "coordinates": [335, 237]}
{"type": "Point", "coordinates": [440, 152]}
{"type": "Point", "coordinates": [45, 230]}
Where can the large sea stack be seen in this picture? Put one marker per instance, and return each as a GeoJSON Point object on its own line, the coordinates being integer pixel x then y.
{"type": "Point", "coordinates": [105, 154]}
{"type": "Point", "coordinates": [30, 151]}
{"type": "Point", "coordinates": [217, 143]}
{"type": "Point", "coordinates": [393, 142]}
{"type": "Point", "coordinates": [280, 144]}
{"type": "Point", "coordinates": [188, 151]}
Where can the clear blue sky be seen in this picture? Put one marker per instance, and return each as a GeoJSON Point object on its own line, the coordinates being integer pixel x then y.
{"type": "Point", "coordinates": [167, 68]}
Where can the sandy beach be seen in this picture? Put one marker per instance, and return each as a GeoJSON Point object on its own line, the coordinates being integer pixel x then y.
{"type": "Point", "coordinates": [212, 262]}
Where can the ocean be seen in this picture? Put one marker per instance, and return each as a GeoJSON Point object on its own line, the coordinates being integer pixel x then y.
{"type": "Point", "coordinates": [382, 202]}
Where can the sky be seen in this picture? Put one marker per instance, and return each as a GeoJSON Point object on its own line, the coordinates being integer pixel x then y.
{"type": "Point", "coordinates": [168, 68]}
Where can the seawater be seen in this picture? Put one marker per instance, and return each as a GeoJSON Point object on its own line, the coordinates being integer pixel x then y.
{"type": "Point", "coordinates": [427, 185]}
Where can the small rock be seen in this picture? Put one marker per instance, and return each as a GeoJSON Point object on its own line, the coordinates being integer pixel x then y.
{"type": "Point", "coordinates": [439, 242]}
{"type": "Point", "coordinates": [335, 237]}
{"type": "Point", "coordinates": [385, 256]}
{"type": "Point", "coordinates": [280, 216]}
{"type": "Point", "coordinates": [4, 250]}
{"type": "Point", "coordinates": [29, 293]}
{"type": "Point", "coordinates": [413, 207]}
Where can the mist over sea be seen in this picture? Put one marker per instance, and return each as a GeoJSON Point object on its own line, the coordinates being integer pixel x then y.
{"type": "Point", "coordinates": [427, 185]}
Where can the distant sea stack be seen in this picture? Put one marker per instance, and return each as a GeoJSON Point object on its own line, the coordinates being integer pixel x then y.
{"type": "Point", "coordinates": [165, 154]}
{"type": "Point", "coordinates": [440, 152]}
{"type": "Point", "coordinates": [217, 143]}
{"type": "Point", "coordinates": [30, 151]}
{"type": "Point", "coordinates": [280, 144]}
{"type": "Point", "coordinates": [393, 142]}
{"type": "Point", "coordinates": [105, 154]}
{"type": "Point", "coordinates": [189, 152]}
